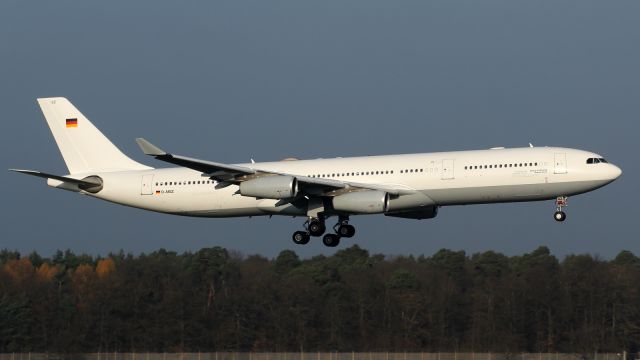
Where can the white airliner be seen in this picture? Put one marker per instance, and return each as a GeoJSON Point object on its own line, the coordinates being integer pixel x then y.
{"type": "Point", "coordinates": [410, 186]}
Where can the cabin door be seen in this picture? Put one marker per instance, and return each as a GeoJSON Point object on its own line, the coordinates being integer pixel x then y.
{"type": "Point", "coordinates": [447, 169]}
{"type": "Point", "coordinates": [147, 185]}
{"type": "Point", "coordinates": [560, 163]}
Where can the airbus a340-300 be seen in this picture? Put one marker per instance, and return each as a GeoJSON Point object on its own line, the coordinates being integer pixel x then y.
{"type": "Point", "coordinates": [410, 186]}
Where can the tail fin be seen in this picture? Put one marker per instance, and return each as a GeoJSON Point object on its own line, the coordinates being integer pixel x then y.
{"type": "Point", "coordinates": [83, 147]}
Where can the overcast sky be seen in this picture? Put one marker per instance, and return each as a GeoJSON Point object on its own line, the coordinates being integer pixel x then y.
{"type": "Point", "coordinates": [233, 80]}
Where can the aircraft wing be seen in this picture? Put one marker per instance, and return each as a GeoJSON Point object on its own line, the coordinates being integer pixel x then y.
{"type": "Point", "coordinates": [227, 174]}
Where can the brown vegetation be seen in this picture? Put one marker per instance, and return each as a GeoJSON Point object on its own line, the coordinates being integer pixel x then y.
{"type": "Point", "coordinates": [213, 301]}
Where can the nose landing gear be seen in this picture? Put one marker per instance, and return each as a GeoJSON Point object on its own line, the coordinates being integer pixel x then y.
{"type": "Point", "coordinates": [559, 215]}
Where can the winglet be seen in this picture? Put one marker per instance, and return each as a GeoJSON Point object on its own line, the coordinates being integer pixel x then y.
{"type": "Point", "coordinates": [149, 149]}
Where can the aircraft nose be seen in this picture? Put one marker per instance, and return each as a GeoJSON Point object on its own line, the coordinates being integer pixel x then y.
{"type": "Point", "coordinates": [615, 172]}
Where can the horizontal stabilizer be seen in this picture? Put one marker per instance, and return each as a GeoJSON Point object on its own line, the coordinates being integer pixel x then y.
{"type": "Point", "coordinates": [88, 183]}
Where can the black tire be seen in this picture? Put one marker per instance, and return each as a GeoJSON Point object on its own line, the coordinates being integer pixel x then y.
{"type": "Point", "coordinates": [331, 240]}
{"type": "Point", "coordinates": [346, 231]}
{"type": "Point", "coordinates": [560, 216]}
{"type": "Point", "coordinates": [300, 237]}
{"type": "Point", "coordinates": [317, 228]}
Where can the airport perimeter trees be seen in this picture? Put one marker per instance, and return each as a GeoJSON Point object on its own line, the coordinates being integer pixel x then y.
{"type": "Point", "coordinates": [213, 300]}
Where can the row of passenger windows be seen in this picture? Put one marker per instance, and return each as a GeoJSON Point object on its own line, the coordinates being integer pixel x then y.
{"type": "Point", "coordinates": [164, 183]}
{"type": "Point", "coordinates": [596, 161]}
{"type": "Point", "coordinates": [365, 173]}
{"type": "Point", "coordinates": [499, 166]}
{"type": "Point", "coordinates": [357, 173]}
{"type": "Point", "coordinates": [379, 172]}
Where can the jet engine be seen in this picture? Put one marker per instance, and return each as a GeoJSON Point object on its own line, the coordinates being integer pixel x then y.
{"type": "Point", "coordinates": [412, 206]}
{"type": "Point", "coordinates": [362, 202]}
{"type": "Point", "coordinates": [270, 187]}
{"type": "Point", "coordinates": [427, 212]}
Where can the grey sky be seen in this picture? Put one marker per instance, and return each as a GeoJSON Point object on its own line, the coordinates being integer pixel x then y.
{"type": "Point", "coordinates": [232, 80]}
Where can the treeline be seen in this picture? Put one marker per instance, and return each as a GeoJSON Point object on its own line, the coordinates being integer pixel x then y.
{"type": "Point", "coordinates": [216, 300]}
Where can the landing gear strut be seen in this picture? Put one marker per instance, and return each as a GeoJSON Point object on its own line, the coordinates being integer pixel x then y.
{"type": "Point", "coordinates": [343, 229]}
{"type": "Point", "coordinates": [315, 226]}
{"type": "Point", "coordinates": [559, 215]}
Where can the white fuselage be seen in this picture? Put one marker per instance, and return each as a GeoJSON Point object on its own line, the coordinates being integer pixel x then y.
{"type": "Point", "coordinates": [448, 178]}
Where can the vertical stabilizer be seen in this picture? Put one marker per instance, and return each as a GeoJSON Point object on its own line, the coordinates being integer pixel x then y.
{"type": "Point", "coordinates": [83, 147]}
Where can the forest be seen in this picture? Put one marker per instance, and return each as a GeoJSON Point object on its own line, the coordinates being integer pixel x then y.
{"type": "Point", "coordinates": [220, 300]}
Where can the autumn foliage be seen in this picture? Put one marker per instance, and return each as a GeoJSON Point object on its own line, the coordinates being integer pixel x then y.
{"type": "Point", "coordinates": [214, 300]}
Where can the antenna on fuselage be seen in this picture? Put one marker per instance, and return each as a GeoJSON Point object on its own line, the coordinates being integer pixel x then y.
{"type": "Point", "coordinates": [530, 145]}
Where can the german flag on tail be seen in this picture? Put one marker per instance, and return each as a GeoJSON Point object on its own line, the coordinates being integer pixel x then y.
{"type": "Point", "coordinates": [71, 123]}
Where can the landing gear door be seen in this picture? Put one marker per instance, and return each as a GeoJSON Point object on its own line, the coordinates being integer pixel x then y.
{"type": "Point", "coordinates": [447, 169]}
{"type": "Point", "coordinates": [146, 186]}
{"type": "Point", "coordinates": [560, 163]}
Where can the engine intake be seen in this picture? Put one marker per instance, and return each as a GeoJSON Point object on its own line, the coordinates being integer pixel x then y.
{"type": "Point", "coordinates": [270, 187]}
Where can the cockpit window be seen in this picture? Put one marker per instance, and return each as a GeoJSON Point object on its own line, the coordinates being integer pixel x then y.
{"type": "Point", "coordinates": [596, 161]}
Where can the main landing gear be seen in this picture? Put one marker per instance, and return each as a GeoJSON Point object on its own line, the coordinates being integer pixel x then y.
{"type": "Point", "coordinates": [316, 227]}
{"type": "Point", "coordinates": [559, 215]}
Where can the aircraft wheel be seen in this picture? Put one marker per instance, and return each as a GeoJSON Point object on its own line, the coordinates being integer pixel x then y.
{"type": "Point", "coordinates": [316, 228]}
{"type": "Point", "coordinates": [559, 216]}
{"type": "Point", "coordinates": [331, 240]}
{"type": "Point", "coordinates": [346, 231]}
{"type": "Point", "coordinates": [301, 237]}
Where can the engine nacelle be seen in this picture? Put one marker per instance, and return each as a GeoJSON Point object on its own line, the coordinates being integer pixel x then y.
{"type": "Point", "coordinates": [362, 202]}
{"type": "Point", "coordinates": [412, 206]}
{"type": "Point", "coordinates": [427, 212]}
{"type": "Point", "coordinates": [270, 187]}
{"type": "Point", "coordinates": [409, 202]}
